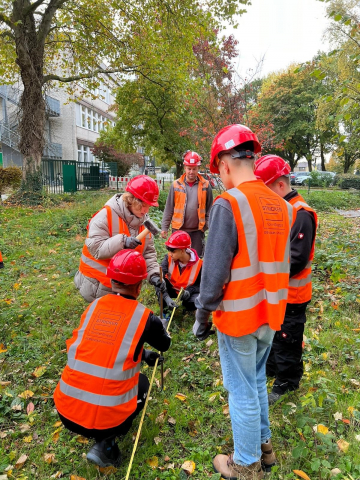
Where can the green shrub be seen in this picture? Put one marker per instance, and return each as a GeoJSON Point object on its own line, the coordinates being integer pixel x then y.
{"type": "Point", "coordinates": [347, 180]}
{"type": "Point", "coordinates": [10, 177]}
{"type": "Point", "coordinates": [162, 199]}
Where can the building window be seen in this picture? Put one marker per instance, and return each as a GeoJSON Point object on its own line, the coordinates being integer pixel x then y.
{"type": "Point", "coordinates": [91, 120]}
{"type": "Point", "coordinates": [85, 154]}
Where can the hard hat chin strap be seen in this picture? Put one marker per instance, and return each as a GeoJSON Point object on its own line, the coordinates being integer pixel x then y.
{"type": "Point", "coordinates": [242, 154]}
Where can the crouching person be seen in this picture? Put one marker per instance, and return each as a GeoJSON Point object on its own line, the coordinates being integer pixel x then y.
{"type": "Point", "coordinates": [101, 389]}
{"type": "Point", "coordinates": [182, 269]}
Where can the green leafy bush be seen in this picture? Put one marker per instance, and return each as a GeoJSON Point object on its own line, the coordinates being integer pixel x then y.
{"type": "Point", "coordinates": [347, 180]}
{"type": "Point", "coordinates": [10, 177]}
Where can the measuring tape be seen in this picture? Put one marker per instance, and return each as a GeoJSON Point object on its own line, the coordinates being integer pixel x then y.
{"type": "Point", "coordinates": [148, 395]}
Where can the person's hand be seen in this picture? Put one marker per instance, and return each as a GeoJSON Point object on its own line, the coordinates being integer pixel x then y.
{"type": "Point", "coordinates": [150, 357]}
{"type": "Point", "coordinates": [157, 283]}
{"type": "Point", "coordinates": [164, 234]}
{"type": "Point", "coordinates": [132, 242]}
{"type": "Point", "coordinates": [169, 301]}
{"type": "Point", "coordinates": [185, 296]}
{"type": "Point", "coordinates": [202, 326]}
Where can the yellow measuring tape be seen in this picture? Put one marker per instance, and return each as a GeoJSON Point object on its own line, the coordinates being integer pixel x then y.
{"type": "Point", "coordinates": [148, 395]}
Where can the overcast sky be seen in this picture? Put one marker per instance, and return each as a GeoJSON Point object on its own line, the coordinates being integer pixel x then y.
{"type": "Point", "coordinates": [282, 31]}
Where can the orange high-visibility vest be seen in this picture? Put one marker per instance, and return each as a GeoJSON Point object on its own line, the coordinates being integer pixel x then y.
{"type": "Point", "coordinates": [99, 385]}
{"type": "Point", "coordinates": [300, 286]}
{"type": "Point", "coordinates": [180, 202]}
{"type": "Point", "coordinates": [1, 258]}
{"type": "Point", "coordinates": [95, 268]}
{"type": "Point", "coordinates": [258, 285]}
{"type": "Point", "coordinates": [187, 276]}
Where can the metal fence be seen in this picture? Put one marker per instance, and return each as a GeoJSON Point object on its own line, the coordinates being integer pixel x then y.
{"type": "Point", "coordinates": [59, 176]}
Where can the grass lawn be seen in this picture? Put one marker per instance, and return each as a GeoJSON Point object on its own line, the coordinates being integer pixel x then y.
{"type": "Point", "coordinates": [316, 429]}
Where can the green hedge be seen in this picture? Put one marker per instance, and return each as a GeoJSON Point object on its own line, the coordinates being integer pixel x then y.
{"type": "Point", "coordinates": [10, 177]}
{"type": "Point", "coordinates": [347, 180]}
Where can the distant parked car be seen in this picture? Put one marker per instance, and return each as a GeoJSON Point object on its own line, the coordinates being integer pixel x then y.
{"type": "Point", "coordinates": [301, 178]}
{"type": "Point", "coordinates": [292, 178]}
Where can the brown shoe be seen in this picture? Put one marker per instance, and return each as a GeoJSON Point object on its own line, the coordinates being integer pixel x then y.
{"type": "Point", "coordinates": [268, 458]}
{"type": "Point", "coordinates": [229, 470]}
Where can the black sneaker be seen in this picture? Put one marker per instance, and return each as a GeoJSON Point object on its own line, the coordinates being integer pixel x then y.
{"type": "Point", "coordinates": [1, 264]}
{"type": "Point", "coordinates": [105, 454]}
{"type": "Point", "coordinates": [274, 397]}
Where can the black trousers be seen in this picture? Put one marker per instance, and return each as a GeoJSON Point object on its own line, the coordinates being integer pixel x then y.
{"type": "Point", "coordinates": [115, 431]}
{"type": "Point", "coordinates": [285, 360]}
{"type": "Point", "coordinates": [189, 304]}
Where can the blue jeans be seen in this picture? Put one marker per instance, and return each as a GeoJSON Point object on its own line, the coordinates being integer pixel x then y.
{"type": "Point", "coordinates": [243, 362]}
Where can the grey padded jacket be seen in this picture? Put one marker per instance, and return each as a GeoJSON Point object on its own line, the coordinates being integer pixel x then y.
{"type": "Point", "coordinates": [102, 246]}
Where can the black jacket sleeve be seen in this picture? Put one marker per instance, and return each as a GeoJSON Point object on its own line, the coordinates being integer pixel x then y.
{"type": "Point", "coordinates": [155, 335]}
{"type": "Point", "coordinates": [301, 240]}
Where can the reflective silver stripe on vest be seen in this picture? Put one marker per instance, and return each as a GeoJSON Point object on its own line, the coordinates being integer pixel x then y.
{"type": "Point", "coordinates": [177, 189]}
{"type": "Point", "coordinates": [116, 372]}
{"type": "Point", "coordinates": [178, 210]}
{"type": "Point", "coordinates": [192, 274]}
{"type": "Point", "coordinates": [243, 304]}
{"type": "Point", "coordinates": [115, 223]}
{"type": "Point", "coordinates": [300, 204]}
{"type": "Point", "coordinates": [171, 267]}
{"type": "Point", "coordinates": [95, 398]}
{"type": "Point", "coordinates": [300, 282]}
{"type": "Point", "coordinates": [251, 238]}
{"type": "Point", "coordinates": [93, 264]}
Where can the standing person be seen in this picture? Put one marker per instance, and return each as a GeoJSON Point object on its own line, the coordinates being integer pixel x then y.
{"type": "Point", "coordinates": [285, 360]}
{"type": "Point", "coordinates": [244, 283]}
{"type": "Point", "coordinates": [114, 228]}
{"type": "Point", "coordinates": [101, 389]}
{"type": "Point", "coordinates": [182, 269]}
{"type": "Point", "coordinates": [189, 203]}
{"type": "Point", "coordinates": [1, 261]}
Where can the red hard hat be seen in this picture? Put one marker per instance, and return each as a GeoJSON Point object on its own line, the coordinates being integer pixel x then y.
{"type": "Point", "coordinates": [230, 137]}
{"type": "Point", "coordinates": [179, 239]}
{"type": "Point", "coordinates": [144, 188]}
{"type": "Point", "coordinates": [271, 167]}
{"type": "Point", "coordinates": [127, 266]}
{"type": "Point", "coordinates": [191, 159]}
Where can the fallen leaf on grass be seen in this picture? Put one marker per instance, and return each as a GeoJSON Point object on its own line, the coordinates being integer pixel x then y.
{"type": "Point", "coordinates": [335, 471]}
{"type": "Point", "coordinates": [30, 408]}
{"type": "Point", "coordinates": [166, 458]}
{"type": "Point", "coordinates": [3, 434]}
{"type": "Point", "coordinates": [26, 394]}
{"type": "Point", "coordinates": [153, 462]}
{"type": "Point", "coordinates": [188, 467]}
{"type": "Point", "coordinates": [301, 474]}
{"type": "Point", "coordinates": [170, 466]}
{"type": "Point", "coordinates": [56, 475]}
{"type": "Point", "coordinates": [80, 438]}
{"type": "Point", "coordinates": [322, 429]}
{"type": "Point", "coordinates": [157, 440]}
{"type": "Point", "coordinates": [20, 463]}
{"type": "Point", "coordinates": [225, 409]}
{"type": "Point", "coordinates": [49, 457]}
{"type": "Point", "coordinates": [357, 437]}
{"type": "Point", "coordinates": [167, 371]}
{"type": "Point", "coordinates": [343, 445]}
{"type": "Point", "coordinates": [172, 421]}
{"type": "Point", "coordinates": [4, 384]}
{"type": "Point", "coordinates": [161, 417]}
{"type": "Point", "coordinates": [354, 382]}
{"type": "Point", "coordinates": [346, 420]}
{"type": "Point", "coordinates": [28, 439]}
{"type": "Point", "coordinates": [107, 470]}
{"type": "Point", "coordinates": [57, 424]}
{"type": "Point", "coordinates": [56, 435]}
{"type": "Point", "coordinates": [209, 343]}
{"type": "Point", "coordinates": [38, 372]}
{"type": "Point", "coordinates": [181, 397]}
{"type": "Point", "coordinates": [338, 416]}
{"type": "Point", "coordinates": [2, 348]}
{"type": "Point", "coordinates": [75, 477]}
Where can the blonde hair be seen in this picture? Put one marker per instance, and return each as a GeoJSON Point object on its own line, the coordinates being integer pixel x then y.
{"type": "Point", "coordinates": [131, 201]}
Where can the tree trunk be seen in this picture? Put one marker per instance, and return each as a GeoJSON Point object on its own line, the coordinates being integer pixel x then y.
{"type": "Point", "coordinates": [322, 157]}
{"type": "Point", "coordinates": [179, 169]}
{"type": "Point", "coordinates": [309, 163]}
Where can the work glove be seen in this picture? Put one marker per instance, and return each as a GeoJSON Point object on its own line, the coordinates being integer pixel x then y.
{"type": "Point", "coordinates": [132, 242]}
{"type": "Point", "coordinates": [149, 357]}
{"type": "Point", "coordinates": [202, 326]}
{"type": "Point", "coordinates": [169, 301]}
{"type": "Point", "coordinates": [157, 283]}
{"type": "Point", "coordinates": [185, 296]}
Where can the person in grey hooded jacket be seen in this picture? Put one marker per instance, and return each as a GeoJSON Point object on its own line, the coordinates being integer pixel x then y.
{"type": "Point", "coordinates": [114, 228]}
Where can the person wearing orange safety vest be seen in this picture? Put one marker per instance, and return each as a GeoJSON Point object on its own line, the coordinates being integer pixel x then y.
{"type": "Point", "coordinates": [101, 389]}
{"type": "Point", "coordinates": [285, 360]}
{"type": "Point", "coordinates": [189, 203]}
{"type": "Point", "coordinates": [1, 261]}
{"type": "Point", "coordinates": [182, 269]}
{"type": "Point", "coordinates": [244, 285]}
{"type": "Point", "coordinates": [114, 228]}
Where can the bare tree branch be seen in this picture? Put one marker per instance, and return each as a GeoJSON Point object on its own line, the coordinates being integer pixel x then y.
{"type": "Point", "coordinates": [48, 78]}
{"type": "Point", "coordinates": [46, 21]}
{"type": "Point", "coordinates": [33, 7]}
{"type": "Point", "coordinates": [5, 19]}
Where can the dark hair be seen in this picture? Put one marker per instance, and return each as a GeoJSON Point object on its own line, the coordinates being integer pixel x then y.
{"type": "Point", "coordinates": [124, 285]}
{"type": "Point", "coordinates": [245, 146]}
